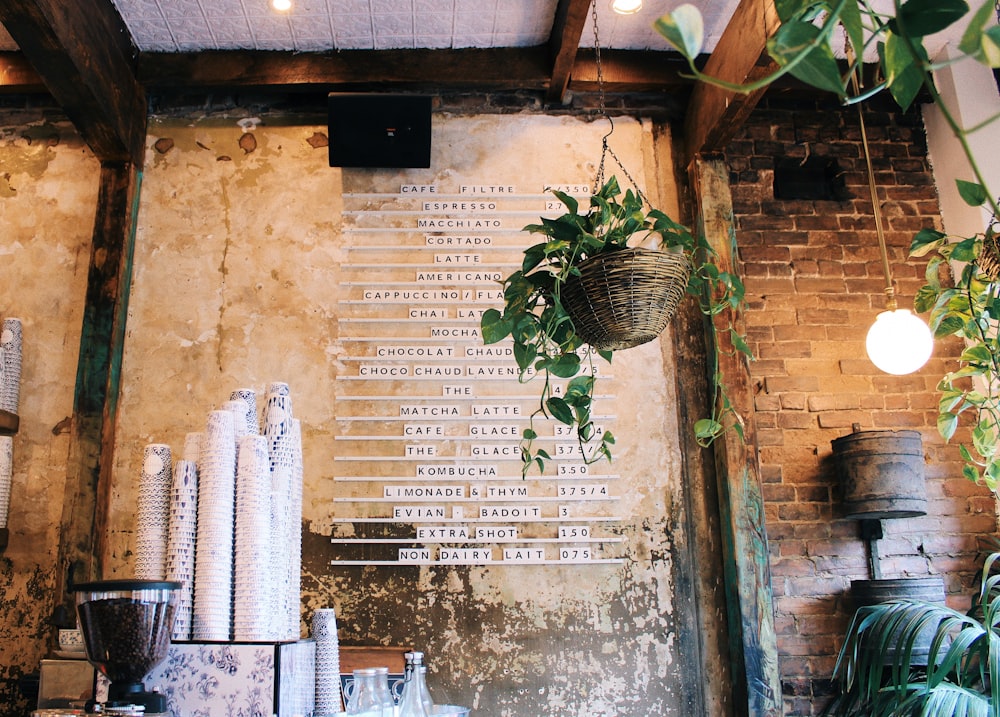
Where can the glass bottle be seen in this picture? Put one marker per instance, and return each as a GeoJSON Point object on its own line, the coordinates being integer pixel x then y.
{"type": "Point", "coordinates": [365, 698]}
{"type": "Point", "coordinates": [385, 696]}
{"type": "Point", "coordinates": [410, 703]}
{"type": "Point", "coordinates": [425, 695]}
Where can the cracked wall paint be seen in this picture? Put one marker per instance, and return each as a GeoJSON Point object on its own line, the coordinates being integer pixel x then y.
{"type": "Point", "coordinates": [235, 284]}
{"type": "Point", "coordinates": [47, 217]}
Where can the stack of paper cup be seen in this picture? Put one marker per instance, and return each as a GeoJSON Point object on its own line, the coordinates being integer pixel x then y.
{"type": "Point", "coordinates": [249, 399]}
{"type": "Point", "coordinates": [285, 526]}
{"type": "Point", "coordinates": [213, 585]}
{"type": "Point", "coordinates": [181, 543]}
{"type": "Point", "coordinates": [153, 512]}
{"type": "Point", "coordinates": [192, 446]}
{"type": "Point", "coordinates": [6, 476]}
{"type": "Point", "coordinates": [10, 342]}
{"type": "Point", "coordinates": [252, 581]}
{"type": "Point", "coordinates": [324, 633]}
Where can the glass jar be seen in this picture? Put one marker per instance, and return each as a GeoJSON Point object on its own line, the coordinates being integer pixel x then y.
{"type": "Point", "coordinates": [385, 695]}
{"type": "Point", "coordinates": [365, 699]}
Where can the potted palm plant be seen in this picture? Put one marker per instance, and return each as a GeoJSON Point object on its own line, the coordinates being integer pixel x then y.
{"type": "Point", "coordinates": [591, 288]}
{"type": "Point", "coordinates": [913, 657]}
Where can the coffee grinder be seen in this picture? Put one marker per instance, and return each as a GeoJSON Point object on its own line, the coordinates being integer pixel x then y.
{"type": "Point", "coordinates": [126, 627]}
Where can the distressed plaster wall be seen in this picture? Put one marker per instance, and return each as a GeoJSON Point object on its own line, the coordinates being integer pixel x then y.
{"type": "Point", "coordinates": [235, 284]}
{"type": "Point", "coordinates": [48, 193]}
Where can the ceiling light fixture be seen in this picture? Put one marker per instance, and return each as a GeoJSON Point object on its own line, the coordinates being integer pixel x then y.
{"type": "Point", "coordinates": [626, 7]}
{"type": "Point", "coordinates": [899, 342]}
{"type": "Point", "coordinates": [281, 5]}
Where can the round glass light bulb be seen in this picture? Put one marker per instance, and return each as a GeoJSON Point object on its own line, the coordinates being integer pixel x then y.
{"type": "Point", "coordinates": [899, 342]}
{"type": "Point", "coordinates": [626, 7]}
{"type": "Point", "coordinates": [281, 5]}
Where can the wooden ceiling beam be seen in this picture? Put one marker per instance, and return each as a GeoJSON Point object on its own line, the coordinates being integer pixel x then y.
{"type": "Point", "coordinates": [715, 114]}
{"type": "Point", "coordinates": [432, 70]}
{"type": "Point", "coordinates": [564, 42]}
{"type": "Point", "coordinates": [631, 71]}
{"type": "Point", "coordinates": [84, 54]}
{"type": "Point", "coordinates": [500, 68]}
{"type": "Point", "coordinates": [17, 76]}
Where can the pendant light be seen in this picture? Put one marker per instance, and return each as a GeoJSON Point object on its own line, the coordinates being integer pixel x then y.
{"type": "Point", "coordinates": [626, 7]}
{"type": "Point", "coordinates": [899, 342]}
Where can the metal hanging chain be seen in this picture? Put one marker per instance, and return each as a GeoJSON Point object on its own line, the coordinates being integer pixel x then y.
{"type": "Point", "coordinates": [603, 110]}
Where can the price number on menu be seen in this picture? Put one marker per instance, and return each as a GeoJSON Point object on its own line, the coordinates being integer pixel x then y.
{"type": "Point", "coordinates": [574, 490]}
{"type": "Point", "coordinates": [561, 430]}
{"type": "Point", "coordinates": [571, 532]}
{"type": "Point", "coordinates": [574, 554]}
{"type": "Point", "coordinates": [573, 469]}
{"type": "Point", "coordinates": [568, 450]}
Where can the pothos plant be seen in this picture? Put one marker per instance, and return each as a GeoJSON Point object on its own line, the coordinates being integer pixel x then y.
{"type": "Point", "coordinates": [546, 344]}
{"type": "Point", "coordinates": [968, 306]}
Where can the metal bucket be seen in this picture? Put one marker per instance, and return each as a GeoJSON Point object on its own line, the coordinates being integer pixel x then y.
{"type": "Point", "coordinates": [882, 473]}
{"type": "Point", "coordinates": [925, 590]}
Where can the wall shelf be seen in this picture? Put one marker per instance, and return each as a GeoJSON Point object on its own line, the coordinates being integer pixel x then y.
{"type": "Point", "coordinates": [8, 423]}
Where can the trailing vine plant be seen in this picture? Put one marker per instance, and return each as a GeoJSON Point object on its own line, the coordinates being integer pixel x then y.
{"type": "Point", "coordinates": [966, 302]}
{"type": "Point", "coordinates": [545, 341]}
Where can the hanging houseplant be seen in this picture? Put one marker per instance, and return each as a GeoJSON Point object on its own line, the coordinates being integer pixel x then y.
{"type": "Point", "coordinates": [967, 307]}
{"type": "Point", "coordinates": [590, 288]}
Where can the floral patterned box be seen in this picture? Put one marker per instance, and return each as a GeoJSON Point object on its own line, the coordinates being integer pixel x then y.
{"type": "Point", "coordinates": [260, 679]}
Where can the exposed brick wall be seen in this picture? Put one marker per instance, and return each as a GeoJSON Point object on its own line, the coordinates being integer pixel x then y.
{"type": "Point", "coordinates": [814, 285]}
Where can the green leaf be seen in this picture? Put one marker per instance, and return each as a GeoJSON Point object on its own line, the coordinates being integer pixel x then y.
{"type": "Point", "coordinates": [817, 66]}
{"type": "Point", "coordinates": [706, 430]}
{"type": "Point", "coordinates": [560, 410]}
{"type": "Point", "coordinates": [529, 434]}
{"type": "Point", "coordinates": [903, 74]}
{"type": "Point", "coordinates": [977, 354]}
{"type": "Point", "coordinates": [972, 38]}
{"type": "Point", "coordinates": [494, 327]}
{"type": "Point", "coordinates": [571, 204]}
{"type": "Point", "coordinates": [683, 28]}
{"type": "Point", "coordinates": [925, 240]}
{"type": "Point", "coordinates": [949, 326]}
{"type": "Point", "coordinates": [579, 387]}
{"type": "Point", "coordinates": [964, 250]}
{"type": "Point", "coordinates": [565, 366]}
{"type": "Point", "coordinates": [946, 425]}
{"type": "Point", "coordinates": [524, 354]}
{"type": "Point", "coordinates": [789, 9]}
{"type": "Point", "coordinates": [991, 47]}
{"type": "Point", "coordinates": [924, 300]}
{"type": "Point", "coordinates": [533, 256]}
{"type": "Point", "coordinates": [739, 343]}
{"type": "Point", "coordinates": [972, 193]}
{"type": "Point", "coordinates": [918, 18]}
{"type": "Point", "coordinates": [983, 439]}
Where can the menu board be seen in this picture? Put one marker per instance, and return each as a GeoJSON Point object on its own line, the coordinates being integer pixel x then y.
{"type": "Point", "coordinates": [427, 459]}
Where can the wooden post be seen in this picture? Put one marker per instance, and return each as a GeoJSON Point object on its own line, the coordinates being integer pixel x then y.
{"type": "Point", "coordinates": [88, 483]}
{"type": "Point", "coordinates": [753, 644]}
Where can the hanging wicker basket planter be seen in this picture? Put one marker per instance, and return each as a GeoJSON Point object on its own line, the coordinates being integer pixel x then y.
{"type": "Point", "coordinates": [625, 298]}
{"type": "Point", "coordinates": [989, 256]}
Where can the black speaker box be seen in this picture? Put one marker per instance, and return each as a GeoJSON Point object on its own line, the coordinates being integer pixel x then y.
{"type": "Point", "coordinates": [369, 130]}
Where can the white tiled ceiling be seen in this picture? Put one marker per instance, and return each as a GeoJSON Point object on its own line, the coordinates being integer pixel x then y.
{"type": "Point", "coordinates": [321, 25]}
{"type": "Point", "coordinates": [324, 25]}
